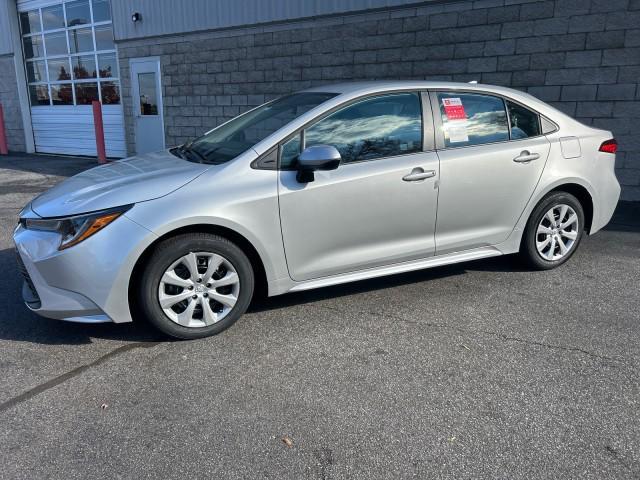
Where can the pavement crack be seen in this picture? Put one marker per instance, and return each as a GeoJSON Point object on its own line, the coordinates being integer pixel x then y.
{"type": "Point", "coordinates": [23, 397]}
{"type": "Point", "coordinates": [483, 332]}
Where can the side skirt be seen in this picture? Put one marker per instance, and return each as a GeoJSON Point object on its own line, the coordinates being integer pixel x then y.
{"type": "Point", "coordinates": [475, 254]}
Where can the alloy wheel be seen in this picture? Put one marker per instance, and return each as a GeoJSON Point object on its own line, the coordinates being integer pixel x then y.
{"type": "Point", "coordinates": [199, 289]}
{"type": "Point", "coordinates": [557, 232]}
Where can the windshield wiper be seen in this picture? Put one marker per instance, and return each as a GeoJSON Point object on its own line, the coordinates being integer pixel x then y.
{"type": "Point", "coordinates": [192, 152]}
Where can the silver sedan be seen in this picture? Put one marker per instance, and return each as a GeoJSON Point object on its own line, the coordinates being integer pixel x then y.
{"type": "Point", "coordinates": [330, 185]}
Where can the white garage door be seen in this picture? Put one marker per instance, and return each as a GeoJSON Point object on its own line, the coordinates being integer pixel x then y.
{"type": "Point", "coordinates": [70, 61]}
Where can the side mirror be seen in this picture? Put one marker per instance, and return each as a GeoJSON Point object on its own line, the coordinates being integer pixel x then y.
{"type": "Point", "coordinates": [318, 157]}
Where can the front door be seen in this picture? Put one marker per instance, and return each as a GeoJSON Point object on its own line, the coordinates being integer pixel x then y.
{"type": "Point", "coordinates": [378, 207]}
{"type": "Point", "coordinates": [491, 157]}
{"type": "Point", "coordinates": [147, 104]}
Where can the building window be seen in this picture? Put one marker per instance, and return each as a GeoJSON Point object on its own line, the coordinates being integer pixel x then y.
{"type": "Point", "coordinates": [70, 56]}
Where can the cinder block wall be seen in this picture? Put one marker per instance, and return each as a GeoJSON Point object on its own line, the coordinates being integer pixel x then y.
{"type": "Point", "coordinates": [11, 104]}
{"type": "Point", "coordinates": [583, 56]}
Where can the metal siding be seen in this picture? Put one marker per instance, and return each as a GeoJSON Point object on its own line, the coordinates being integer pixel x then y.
{"type": "Point", "coordinates": [68, 129]}
{"type": "Point", "coordinates": [6, 40]}
{"type": "Point", "coordinates": [162, 17]}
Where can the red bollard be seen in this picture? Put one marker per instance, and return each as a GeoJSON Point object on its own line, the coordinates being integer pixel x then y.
{"type": "Point", "coordinates": [4, 148]}
{"type": "Point", "coordinates": [99, 127]}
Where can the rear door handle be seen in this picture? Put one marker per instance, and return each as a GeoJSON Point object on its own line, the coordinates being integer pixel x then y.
{"type": "Point", "coordinates": [525, 157]}
{"type": "Point", "coordinates": [418, 174]}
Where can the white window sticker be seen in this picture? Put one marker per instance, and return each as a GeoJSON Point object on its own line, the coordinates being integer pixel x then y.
{"type": "Point", "coordinates": [458, 133]}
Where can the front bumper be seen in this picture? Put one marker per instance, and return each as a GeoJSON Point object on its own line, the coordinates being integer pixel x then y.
{"type": "Point", "coordinates": [88, 282]}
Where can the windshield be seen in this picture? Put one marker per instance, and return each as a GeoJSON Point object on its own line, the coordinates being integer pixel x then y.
{"type": "Point", "coordinates": [243, 132]}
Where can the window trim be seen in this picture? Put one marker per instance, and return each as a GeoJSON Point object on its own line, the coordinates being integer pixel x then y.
{"type": "Point", "coordinates": [437, 117]}
{"type": "Point", "coordinates": [422, 98]}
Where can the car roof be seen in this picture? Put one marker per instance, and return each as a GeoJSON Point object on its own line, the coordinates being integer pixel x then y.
{"type": "Point", "coordinates": [365, 87]}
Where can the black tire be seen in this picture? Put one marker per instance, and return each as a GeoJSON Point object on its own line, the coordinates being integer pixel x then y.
{"type": "Point", "coordinates": [171, 250]}
{"type": "Point", "coordinates": [528, 250]}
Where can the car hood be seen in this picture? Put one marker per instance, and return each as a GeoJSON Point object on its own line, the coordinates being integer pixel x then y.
{"type": "Point", "coordinates": [122, 182]}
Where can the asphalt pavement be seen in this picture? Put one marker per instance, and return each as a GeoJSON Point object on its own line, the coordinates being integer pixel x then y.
{"type": "Point", "coordinates": [477, 370]}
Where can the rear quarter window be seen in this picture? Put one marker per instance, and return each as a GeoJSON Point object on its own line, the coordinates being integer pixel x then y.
{"type": "Point", "coordinates": [524, 122]}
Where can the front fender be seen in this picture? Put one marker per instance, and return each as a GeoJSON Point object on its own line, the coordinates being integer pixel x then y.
{"type": "Point", "coordinates": [248, 207]}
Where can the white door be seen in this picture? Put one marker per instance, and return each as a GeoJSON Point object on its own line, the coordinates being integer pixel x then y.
{"type": "Point", "coordinates": [147, 104]}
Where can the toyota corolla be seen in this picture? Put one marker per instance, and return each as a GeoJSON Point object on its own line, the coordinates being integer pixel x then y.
{"type": "Point", "coordinates": [326, 186]}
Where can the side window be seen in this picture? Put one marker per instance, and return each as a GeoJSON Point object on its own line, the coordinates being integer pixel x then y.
{"type": "Point", "coordinates": [289, 152]}
{"type": "Point", "coordinates": [379, 127]}
{"type": "Point", "coordinates": [524, 122]}
{"type": "Point", "coordinates": [472, 119]}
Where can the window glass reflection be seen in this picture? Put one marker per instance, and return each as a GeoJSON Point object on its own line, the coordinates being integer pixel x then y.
{"type": "Point", "coordinates": [36, 71]}
{"type": "Point", "coordinates": [30, 22]}
{"type": "Point", "coordinates": [84, 66]}
{"type": "Point", "coordinates": [110, 93]}
{"type": "Point", "coordinates": [86, 93]}
{"type": "Point", "coordinates": [52, 17]}
{"type": "Point", "coordinates": [59, 70]}
{"type": "Point", "coordinates": [78, 13]}
{"type": "Point", "coordinates": [80, 40]}
{"type": "Point", "coordinates": [61, 94]}
{"type": "Point", "coordinates": [39, 95]}
{"type": "Point", "coordinates": [56, 43]}
{"type": "Point", "coordinates": [101, 11]}
{"type": "Point", "coordinates": [472, 119]}
{"type": "Point", "coordinates": [290, 152]}
{"type": "Point", "coordinates": [148, 94]}
{"type": "Point", "coordinates": [380, 127]}
{"type": "Point", "coordinates": [243, 132]}
{"type": "Point", "coordinates": [33, 46]}
{"type": "Point", "coordinates": [104, 38]}
{"type": "Point", "coordinates": [524, 122]}
{"type": "Point", "coordinates": [107, 65]}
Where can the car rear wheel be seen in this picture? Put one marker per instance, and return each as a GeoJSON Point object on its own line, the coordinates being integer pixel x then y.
{"type": "Point", "coordinates": [196, 285]}
{"type": "Point", "coordinates": [553, 232]}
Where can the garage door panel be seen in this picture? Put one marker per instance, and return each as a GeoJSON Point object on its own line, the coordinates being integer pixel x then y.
{"type": "Point", "coordinates": [70, 130]}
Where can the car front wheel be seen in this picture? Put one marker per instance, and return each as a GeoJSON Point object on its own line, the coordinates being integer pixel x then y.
{"type": "Point", "coordinates": [196, 285]}
{"type": "Point", "coordinates": [553, 232]}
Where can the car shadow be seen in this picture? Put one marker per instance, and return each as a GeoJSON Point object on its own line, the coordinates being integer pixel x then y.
{"type": "Point", "coordinates": [507, 263]}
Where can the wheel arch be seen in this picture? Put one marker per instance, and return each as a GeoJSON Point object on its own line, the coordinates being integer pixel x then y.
{"type": "Point", "coordinates": [261, 286]}
{"type": "Point", "coordinates": [583, 196]}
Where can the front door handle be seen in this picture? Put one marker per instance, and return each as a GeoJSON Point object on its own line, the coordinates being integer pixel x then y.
{"type": "Point", "coordinates": [525, 157]}
{"type": "Point", "coordinates": [418, 174]}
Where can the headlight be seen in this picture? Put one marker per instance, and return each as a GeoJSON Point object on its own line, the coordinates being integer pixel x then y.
{"type": "Point", "coordinates": [74, 230]}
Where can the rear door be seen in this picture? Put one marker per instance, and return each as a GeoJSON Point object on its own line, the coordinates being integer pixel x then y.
{"type": "Point", "coordinates": [492, 154]}
{"type": "Point", "coordinates": [379, 206]}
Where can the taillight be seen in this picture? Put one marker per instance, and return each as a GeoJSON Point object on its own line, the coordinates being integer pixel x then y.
{"type": "Point", "coordinates": [609, 146]}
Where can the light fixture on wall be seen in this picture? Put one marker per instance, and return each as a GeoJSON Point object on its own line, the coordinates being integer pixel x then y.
{"type": "Point", "coordinates": [136, 17]}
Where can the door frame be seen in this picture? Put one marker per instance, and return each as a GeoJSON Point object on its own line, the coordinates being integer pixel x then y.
{"type": "Point", "coordinates": [135, 96]}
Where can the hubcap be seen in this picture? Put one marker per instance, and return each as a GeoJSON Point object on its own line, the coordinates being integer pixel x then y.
{"type": "Point", "coordinates": [557, 232]}
{"type": "Point", "coordinates": [199, 289]}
